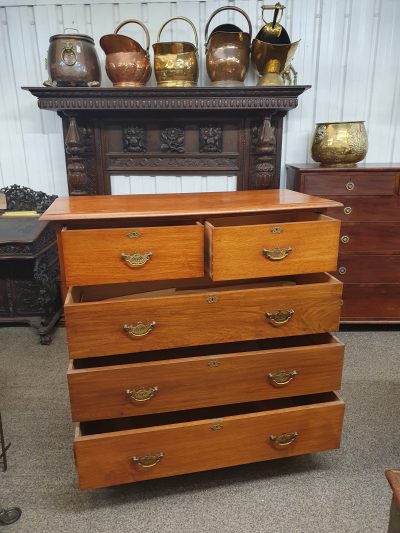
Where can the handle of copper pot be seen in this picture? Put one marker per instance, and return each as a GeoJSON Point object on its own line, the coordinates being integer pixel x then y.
{"type": "Point", "coordinates": [134, 21]}
{"type": "Point", "coordinates": [180, 18]}
{"type": "Point", "coordinates": [225, 8]}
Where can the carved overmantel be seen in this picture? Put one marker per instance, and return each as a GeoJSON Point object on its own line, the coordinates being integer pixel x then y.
{"type": "Point", "coordinates": [203, 130]}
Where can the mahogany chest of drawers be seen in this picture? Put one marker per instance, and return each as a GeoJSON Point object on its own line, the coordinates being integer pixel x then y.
{"type": "Point", "coordinates": [369, 255]}
{"type": "Point", "coordinates": [198, 330]}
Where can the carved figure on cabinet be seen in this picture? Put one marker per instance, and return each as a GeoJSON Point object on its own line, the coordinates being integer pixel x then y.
{"type": "Point", "coordinates": [210, 138]}
{"type": "Point", "coordinates": [134, 139]}
{"type": "Point", "coordinates": [172, 140]}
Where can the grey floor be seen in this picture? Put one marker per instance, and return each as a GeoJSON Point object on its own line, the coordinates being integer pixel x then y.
{"type": "Point", "coordinates": [338, 491]}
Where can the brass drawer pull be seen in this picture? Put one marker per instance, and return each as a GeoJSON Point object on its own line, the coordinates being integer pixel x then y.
{"type": "Point", "coordinates": [344, 239]}
{"type": "Point", "coordinates": [350, 186]}
{"type": "Point", "coordinates": [284, 439]}
{"type": "Point", "coordinates": [141, 394]}
{"type": "Point", "coordinates": [140, 329]}
{"type": "Point", "coordinates": [347, 210]}
{"type": "Point", "coordinates": [277, 254]}
{"type": "Point", "coordinates": [281, 317]}
{"type": "Point", "coordinates": [282, 378]}
{"type": "Point", "coordinates": [147, 461]}
{"type": "Point", "coordinates": [136, 259]}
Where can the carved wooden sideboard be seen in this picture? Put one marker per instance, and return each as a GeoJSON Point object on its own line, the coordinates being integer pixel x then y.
{"type": "Point", "coordinates": [203, 130]}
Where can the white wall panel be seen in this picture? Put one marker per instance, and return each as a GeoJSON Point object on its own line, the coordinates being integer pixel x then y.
{"type": "Point", "coordinates": [349, 53]}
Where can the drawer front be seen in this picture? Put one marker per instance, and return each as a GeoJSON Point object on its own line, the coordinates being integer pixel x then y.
{"type": "Point", "coordinates": [366, 209]}
{"type": "Point", "coordinates": [142, 324]}
{"type": "Point", "coordinates": [267, 250]}
{"type": "Point", "coordinates": [177, 384]}
{"type": "Point", "coordinates": [107, 459]}
{"type": "Point", "coordinates": [368, 268]}
{"type": "Point", "coordinates": [350, 184]}
{"type": "Point", "coordinates": [122, 255]}
{"type": "Point", "coordinates": [371, 302]}
{"type": "Point", "coordinates": [376, 238]}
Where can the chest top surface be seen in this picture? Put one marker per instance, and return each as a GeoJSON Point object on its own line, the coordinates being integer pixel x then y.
{"type": "Point", "coordinates": [181, 204]}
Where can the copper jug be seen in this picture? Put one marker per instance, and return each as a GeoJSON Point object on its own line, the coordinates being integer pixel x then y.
{"type": "Point", "coordinates": [228, 51]}
{"type": "Point", "coordinates": [176, 63]}
{"type": "Point", "coordinates": [127, 63]}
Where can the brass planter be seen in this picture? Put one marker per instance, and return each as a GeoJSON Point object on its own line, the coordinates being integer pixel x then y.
{"type": "Point", "coordinates": [127, 63]}
{"type": "Point", "coordinates": [176, 62]}
{"type": "Point", "coordinates": [339, 144]}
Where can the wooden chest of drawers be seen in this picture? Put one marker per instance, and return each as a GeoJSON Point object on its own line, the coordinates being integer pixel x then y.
{"type": "Point", "coordinates": [369, 255]}
{"type": "Point", "coordinates": [198, 330]}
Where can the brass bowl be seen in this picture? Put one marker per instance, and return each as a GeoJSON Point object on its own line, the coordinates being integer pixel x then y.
{"type": "Point", "coordinates": [339, 144]}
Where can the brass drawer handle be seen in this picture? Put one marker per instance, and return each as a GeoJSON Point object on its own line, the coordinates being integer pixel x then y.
{"type": "Point", "coordinates": [277, 254]}
{"type": "Point", "coordinates": [141, 394]}
{"type": "Point", "coordinates": [140, 329]}
{"type": "Point", "coordinates": [350, 186]}
{"type": "Point", "coordinates": [281, 317]}
{"type": "Point", "coordinates": [284, 439]}
{"type": "Point", "coordinates": [281, 378]}
{"type": "Point", "coordinates": [344, 239]}
{"type": "Point", "coordinates": [147, 461]}
{"type": "Point", "coordinates": [347, 210]}
{"type": "Point", "coordinates": [136, 259]}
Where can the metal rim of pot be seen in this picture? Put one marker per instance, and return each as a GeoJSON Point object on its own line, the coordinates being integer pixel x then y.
{"type": "Point", "coordinates": [186, 20]}
{"type": "Point", "coordinates": [227, 8]}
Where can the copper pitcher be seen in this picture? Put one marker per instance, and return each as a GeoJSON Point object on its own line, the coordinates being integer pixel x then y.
{"type": "Point", "coordinates": [127, 63]}
{"type": "Point", "coordinates": [228, 51]}
{"type": "Point", "coordinates": [176, 63]}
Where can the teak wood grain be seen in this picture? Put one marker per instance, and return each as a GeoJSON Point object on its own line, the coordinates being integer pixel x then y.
{"type": "Point", "coordinates": [106, 459]}
{"type": "Point", "coordinates": [236, 251]}
{"type": "Point", "coordinates": [93, 256]}
{"type": "Point", "coordinates": [364, 184]}
{"type": "Point", "coordinates": [192, 205]}
{"type": "Point", "coordinates": [193, 382]}
{"type": "Point", "coordinates": [96, 328]}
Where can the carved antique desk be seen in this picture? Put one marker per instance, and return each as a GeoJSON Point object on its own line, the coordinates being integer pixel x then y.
{"type": "Point", "coordinates": [169, 131]}
{"type": "Point", "coordinates": [198, 330]}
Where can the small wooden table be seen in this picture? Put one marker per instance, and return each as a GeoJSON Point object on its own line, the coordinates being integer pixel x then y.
{"type": "Point", "coordinates": [29, 274]}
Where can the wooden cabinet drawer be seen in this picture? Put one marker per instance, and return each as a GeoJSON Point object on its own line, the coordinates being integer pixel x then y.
{"type": "Point", "coordinates": [371, 302]}
{"type": "Point", "coordinates": [350, 183]}
{"type": "Point", "coordinates": [172, 380]}
{"type": "Point", "coordinates": [122, 255]}
{"type": "Point", "coordinates": [366, 209]}
{"type": "Point", "coordinates": [142, 322]}
{"type": "Point", "coordinates": [113, 452]}
{"type": "Point", "coordinates": [354, 268]}
{"type": "Point", "coordinates": [271, 245]}
{"type": "Point", "coordinates": [379, 237]}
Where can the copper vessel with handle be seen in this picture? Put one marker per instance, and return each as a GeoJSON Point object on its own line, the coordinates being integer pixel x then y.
{"type": "Point", "coordinates": [227, 50]}
{"type": "Point", "coordinates": [127, 63]}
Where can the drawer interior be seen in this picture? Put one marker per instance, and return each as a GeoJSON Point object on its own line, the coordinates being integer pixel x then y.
{"type": "Point", "coordinates": [207, 350]}
{"type": "Point", "coordinates": [269, 218]}
{"type": "Point", "coordinates": [117, 292]}
{"type": "Point", "coordinates": [162, 419]}
{"type": "Point", "coordinates": [129, 225]}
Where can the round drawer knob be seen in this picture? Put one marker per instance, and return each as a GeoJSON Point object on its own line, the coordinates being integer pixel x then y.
{"type": "Point", "coordinates": [345, 239]}
{"type": "Point", "coordinates": [350, 185]}
{"type": "Point", "coordinates": [342, 270]}
{"type": "Point", "coordinates": [347, 210]}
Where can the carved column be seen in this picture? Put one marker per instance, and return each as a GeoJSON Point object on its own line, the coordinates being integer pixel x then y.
{"type": "Point", "coordinates": [263, 155]}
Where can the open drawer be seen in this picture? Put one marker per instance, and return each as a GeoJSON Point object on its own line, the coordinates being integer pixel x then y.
{"type": "Point", "coordinates": [123, 255]}
{"type": "Point", "coordinates": [134, 449]}
{"type": "Point", "coordinates": [278, 244]}
{"type": "Point", "coordinates": [203, 376]}
{"type": "Point", "coordinates": [173, 318]}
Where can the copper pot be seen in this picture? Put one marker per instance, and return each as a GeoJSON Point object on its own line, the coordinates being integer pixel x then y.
{"type": "Point", "coordinates": [72, 61]}
{"type": "Point", "coordinates": [176, 63]}
{"type": "Point", "coordinates": [127, 63]}
{"type": "Point", "coordinates": [227, 51]}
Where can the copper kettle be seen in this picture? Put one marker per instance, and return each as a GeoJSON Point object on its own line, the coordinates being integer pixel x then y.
{"type": "Point", "coordinates": [228, 51]}
{"type": "Point", "coordinates": [127, 63]}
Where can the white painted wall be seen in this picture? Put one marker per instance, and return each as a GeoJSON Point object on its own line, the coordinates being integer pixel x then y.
{"type": "Point", "coordinates": [349, 53]}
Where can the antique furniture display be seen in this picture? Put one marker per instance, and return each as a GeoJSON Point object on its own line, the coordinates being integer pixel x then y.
{"type": "Point", "coordinates": [29, 272]}
{"type": "Point", "coordinates": [221, 367]}
{"type": "Point", "coordinates": [393, 477]}
{"type": "Point", "coordinates": [127, 63]}
{"type": "Point", "coordinates": [72, 61]}
{"type": "Point", "coordinates": [171, 131]}
{"type": "Point", "coordinates": [337, 144]}
{"type": "Point", "coordinates": [369, 260]}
